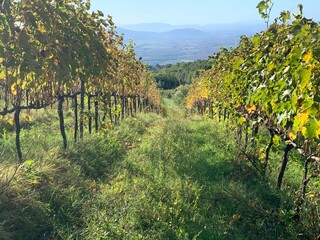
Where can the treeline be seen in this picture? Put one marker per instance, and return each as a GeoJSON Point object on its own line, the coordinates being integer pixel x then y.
{"type": "Point", "coordinates": [272, 80]}
{"type": "Point", "coordinates": [171, 76]}
{"type": "Point", "coordinates": [51, 51]}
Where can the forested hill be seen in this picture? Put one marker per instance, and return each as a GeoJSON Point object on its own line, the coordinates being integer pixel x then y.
{"type": "Point", "coordinates": [172, 75]}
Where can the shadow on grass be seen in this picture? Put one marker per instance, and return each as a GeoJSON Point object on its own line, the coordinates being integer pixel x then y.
{"type": "Point", "coordinates": [97, 156]}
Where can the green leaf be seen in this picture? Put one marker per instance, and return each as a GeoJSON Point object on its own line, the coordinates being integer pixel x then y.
{"type": "Point", "coordinates": [285, 16]}
{"type": "Point", "coordinates": [262, 6]}
{"type": "Point", "coordinates": [314, 110]}
{"type": "Point", "coordinates": [307, 103]}
{"type": "Point", "coordinates": [256, 40]}
{"type": "Point", "coordinates": [295, 54]}
{"type": "Point", "coordinates": [276, 140]}
{"type": "Point", "coordinates": [237, 64]}
{"type": "Point", "coordinates": [29, 163]}
{"type": "Point", "coordinates": [311, 128]}
{"type": "Point", "coordinates": [316, 53]}
{"type": "Point", "coordinates": [305, 75]}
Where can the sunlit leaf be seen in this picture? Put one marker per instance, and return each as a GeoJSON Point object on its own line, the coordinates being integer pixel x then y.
{"type": "Point", "coordinates": [300, 120]}
{"type": "Point", "coordinates": [276, 140]}
{"type": "Point", "coordinates": [42, 29]}
{"type": "Point", "coordinates": [292, 135]}
{"type": "Point", "coordinates": [307, 103]}
{"type": "Point", "coordinates": [14, 89]}
{"type": "Point", "coordinates": [305, 75]}
{"type": "Point", "coordinates": [29, 163]}
{"type": "Point", "coordinates": [251, 109]}
{"type": "Point", "coordinates": [306, 58]}
{"type": "Point", "coordinates": [255, 40]}
{"type": "Point", "coordinates": [2, 75]}
{"type": "Point", "coordinates": [311, 194]}
{"type": "Point", "coordinates": [11, 121]}
{"type": "Point", "coordinates": [318, 130]}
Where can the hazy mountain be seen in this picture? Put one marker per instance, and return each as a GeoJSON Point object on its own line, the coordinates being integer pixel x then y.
{"type": "Point", "coordinates": [183, 43]}
{"type": "Point", "coordinates": [248, 28]}
{"type": "Point", "coordinates": [163, 27]}
{"type": "Point", "coordinates": [154, 27]}
{"type": "Point", "coordinates": [187, 33]}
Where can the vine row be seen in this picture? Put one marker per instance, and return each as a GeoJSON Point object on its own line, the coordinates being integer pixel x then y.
{"type": "Point", "coordinates": [55, 50]}
{"type": "Point", "coordinates": [271, 80]}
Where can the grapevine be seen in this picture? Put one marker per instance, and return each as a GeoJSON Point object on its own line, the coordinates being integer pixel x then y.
{"type": "Point", "coordinates": [51, 51]}
{"type": "Point", "coordinates": [271, 79]}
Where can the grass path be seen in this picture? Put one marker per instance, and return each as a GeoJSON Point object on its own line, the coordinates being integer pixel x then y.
{"type": "Point", "coordinates": [180, 182]}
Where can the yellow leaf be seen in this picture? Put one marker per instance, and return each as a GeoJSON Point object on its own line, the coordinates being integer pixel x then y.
{"type": "Point", "coordinates": [14, 89]}
{"type": "Point", "coordinates": [1, 60]}
{"type": "Point", "coordinates": [270, 67]}
{"type": "Point", "coordinates": [262, 153]}
{"type": "Point", "coordinates": [24, 84]}
{"type": "Point", "coordinates": [42, 29]}
{"type": "Point", "coordinates": [303, 117]}
{"type": "Point", "coordinates": [251, 109]}
{"type": "Point", "coordinates": [27, 118]}
{"type": "Point", "coordinates": [50, 56]}
{"type": "Point", "coordinates": [306, 58]}
{"type": "Point", "coordinates": [11, 121]}
{"type": "Point", "coordinates": [304, 131]}
{"type": "Point", "coordinates": [311, 194]}
{"type": "Point", "coordinates": [292, 135]}
{"type": "Point", "coordinates": [34, 181]}
{"type": "Point", "coordinates": [2, 75]}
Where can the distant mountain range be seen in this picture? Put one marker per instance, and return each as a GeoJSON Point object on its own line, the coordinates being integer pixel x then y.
{"type": "Point", "coordinates": [159, 43]}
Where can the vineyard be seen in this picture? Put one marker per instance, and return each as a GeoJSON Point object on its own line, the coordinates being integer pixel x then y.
{"type": "Point", "coordinates": [89, 148]}
{"type": "Point", "coordinates": [52, 51]}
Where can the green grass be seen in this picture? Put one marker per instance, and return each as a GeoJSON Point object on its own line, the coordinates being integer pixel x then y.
{"type": "Point", "coordinates": [151, 177]}
{"type": "Point", "coordinates": [171, 103]}
{"type": "Point", "coordinates": [180, 183]}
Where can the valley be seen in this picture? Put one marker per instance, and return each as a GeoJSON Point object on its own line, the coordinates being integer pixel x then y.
{"type": "Point", "coordinates": [168, 44]}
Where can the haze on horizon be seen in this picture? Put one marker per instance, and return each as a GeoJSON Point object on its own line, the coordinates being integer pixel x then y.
{"type": "Point", "coordinates": [201, 12]}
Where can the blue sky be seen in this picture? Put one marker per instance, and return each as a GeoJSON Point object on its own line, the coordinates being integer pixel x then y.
{"type": "Point", "coordinates": [199, 12]}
